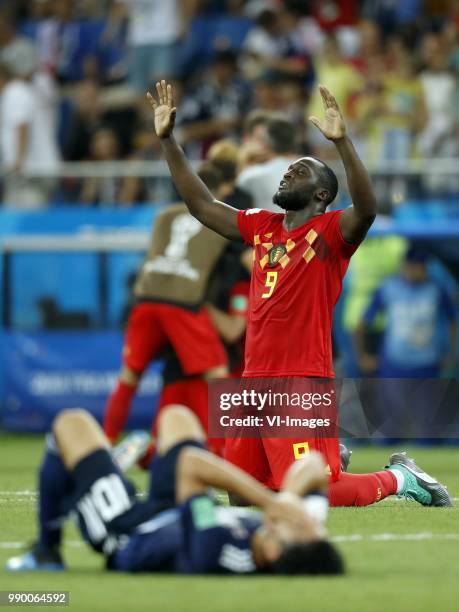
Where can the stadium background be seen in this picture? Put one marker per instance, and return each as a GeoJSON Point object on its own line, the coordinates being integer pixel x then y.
{"type": "Point", "coordinates": [69, 247]}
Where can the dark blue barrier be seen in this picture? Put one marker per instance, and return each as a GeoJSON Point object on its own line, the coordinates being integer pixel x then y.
{"type": "Point", "coordinates": [46, 372]}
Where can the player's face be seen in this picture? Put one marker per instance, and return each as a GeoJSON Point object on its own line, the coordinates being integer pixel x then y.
{"type": "Point", "coordinates": [297, 188]}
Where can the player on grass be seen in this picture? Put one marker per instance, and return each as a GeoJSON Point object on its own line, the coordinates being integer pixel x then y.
{"type": "Point", "coordinates": [300, 261]}
{"type": "Point", "coordinates": [194, 534]}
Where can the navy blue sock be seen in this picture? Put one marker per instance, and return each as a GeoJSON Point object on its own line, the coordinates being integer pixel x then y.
{"type": "Point", "coordinates": [54, 484]}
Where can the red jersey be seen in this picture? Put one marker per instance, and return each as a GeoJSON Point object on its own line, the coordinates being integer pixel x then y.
{"type": "Point", "coordinates": [296, 281]}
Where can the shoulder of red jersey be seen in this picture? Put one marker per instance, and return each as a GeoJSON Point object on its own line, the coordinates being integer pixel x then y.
{"type": "Point", "coordinates": [261, 213]}
{"type": "Point", "coordinates": [330, 215]}
{"type": "Point", "coordinates": [331, 229]}
{"type": "Point", "coordinates": [251, 220]}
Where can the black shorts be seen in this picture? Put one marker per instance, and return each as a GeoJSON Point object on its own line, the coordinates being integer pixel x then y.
{"type": "Point", "coordinates": [105, 502]}
{"type": "Point", "coordinates": [162, 491]}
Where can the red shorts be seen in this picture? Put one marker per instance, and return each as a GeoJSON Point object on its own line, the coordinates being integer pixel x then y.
{"type": "Point", "coordinates": [268, 459]}
{"type": "Point", "coordinates": [152, 327]}
{"type": "Point", "coordinates": [192, 393]}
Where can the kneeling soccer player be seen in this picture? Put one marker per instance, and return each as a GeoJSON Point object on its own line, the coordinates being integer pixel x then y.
{"type": "Point", "coordinates": [195, 535]}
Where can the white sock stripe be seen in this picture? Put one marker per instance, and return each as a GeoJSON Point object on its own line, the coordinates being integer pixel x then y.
{"type": "Point", "coordinates": [400, 477]}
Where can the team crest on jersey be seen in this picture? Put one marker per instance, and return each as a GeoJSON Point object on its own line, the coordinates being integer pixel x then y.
{"type": "Point", "coordinates": [276, 253]}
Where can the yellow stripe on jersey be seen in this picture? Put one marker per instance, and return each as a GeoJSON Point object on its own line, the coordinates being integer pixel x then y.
{"type": "Point", "coordinates": [310, 238]}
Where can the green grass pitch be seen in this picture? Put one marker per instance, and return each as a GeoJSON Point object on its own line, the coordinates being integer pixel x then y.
{"type": "Point", "coordinates": [400, 556]}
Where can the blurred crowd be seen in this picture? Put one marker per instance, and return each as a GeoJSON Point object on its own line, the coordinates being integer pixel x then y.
{"type": "Point", "coordinates": [73, 77]}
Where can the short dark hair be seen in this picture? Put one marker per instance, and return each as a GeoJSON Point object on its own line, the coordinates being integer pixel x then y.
{"type": "Point", "coordinates": [210, 175]}
{"type": "Point", "coordinates": [327, 179]}
{"type": "Point", "coordinates": [267, 18]}
{"type": "Point", "coordinates": [309, 558]}
{"type": "Point", "coordinates": [281, 135]}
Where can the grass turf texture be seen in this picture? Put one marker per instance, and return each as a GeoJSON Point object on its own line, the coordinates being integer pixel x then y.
{"type": "Point", "coordinates": [384, 574]}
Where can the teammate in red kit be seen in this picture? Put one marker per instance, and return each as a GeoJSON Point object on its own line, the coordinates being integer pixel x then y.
{"type": "Point", "coordinates": [191, 391]}
{"type": "Point", "coordinates": [169, 312]}
{"type": "Point", "coordinates": [300, 260]}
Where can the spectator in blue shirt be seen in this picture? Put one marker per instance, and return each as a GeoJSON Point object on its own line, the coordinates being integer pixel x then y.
{"type": "Point", "coordinates": [417, 310]}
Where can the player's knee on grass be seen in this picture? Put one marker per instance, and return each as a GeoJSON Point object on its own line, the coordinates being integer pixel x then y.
{"type": "Point", "coordinates": [77, 435]}
{"type": "Point", "coordinates": [130, 376]}
{"type": "Point", "coordinates": [176, 424]}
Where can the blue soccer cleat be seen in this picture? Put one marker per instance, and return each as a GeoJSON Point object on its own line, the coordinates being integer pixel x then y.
{"type": "Point", "coordinates": [38, 559]}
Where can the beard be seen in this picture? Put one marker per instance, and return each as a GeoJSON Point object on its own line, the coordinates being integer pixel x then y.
{"type": "Point", "coordinates": [289, 199]}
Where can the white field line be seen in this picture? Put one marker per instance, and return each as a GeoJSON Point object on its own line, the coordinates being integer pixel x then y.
{"type": "Point", "coordinates": [26, 493]}
{"type": "Point", "coordinates": [355, 537]}
{"type": "Point", "coordinates": [23, 545]}
{"type": "Point", "coordinates": [29, 493]}
{"type": "Point", "coordinates": [394, 537]}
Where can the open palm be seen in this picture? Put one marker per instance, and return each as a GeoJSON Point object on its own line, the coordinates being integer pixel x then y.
{"type": "Point", "coordinates": [332, 125]}
{"type": "Point", "coordinates": [164, 109]}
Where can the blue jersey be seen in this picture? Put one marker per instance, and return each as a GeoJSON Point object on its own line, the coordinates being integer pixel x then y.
{"type": "Point", "coordinates": [415, 312]}
{"type": "Point", "coordinates": [199, 537]}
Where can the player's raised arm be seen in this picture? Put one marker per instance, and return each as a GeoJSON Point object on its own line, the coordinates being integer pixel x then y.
{"type": "Point", "coordinates": [216, 215]}
{"type": "Point", "coordinates": [356, 220]}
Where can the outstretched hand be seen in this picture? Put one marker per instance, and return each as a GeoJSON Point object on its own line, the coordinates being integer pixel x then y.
{"type": "Point", "coordinates": [164, 109]}
{"type": "Point", "coordinates": [332, 126]}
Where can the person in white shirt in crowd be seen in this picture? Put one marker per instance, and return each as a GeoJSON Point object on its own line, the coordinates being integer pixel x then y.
{"type": "Point", "coordinates": [155, 28]}
{"type": "Point", "coordinates": [440, 90]}
{"type": "Point", "coordinates": [440, 137]}
{"type": "Point", "coordinates": [281, 42]}
{"type": "Point", "coordinates": [28, 138]}
{"type": "Point", "coordinates": [261, 180]}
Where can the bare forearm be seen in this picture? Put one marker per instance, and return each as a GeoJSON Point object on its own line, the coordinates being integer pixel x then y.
{"type": "Point", "coordinates": [206, 470]}
{"type": "Point", "coordinates": [190, 187]}
{"type": "Point", "coordinates": [306, 475]}
{"type": "Point", "coordinates": [229, 327]}
{"type": "Point", "coordinates": [358, 180]}
{"type": "Point", "coordinates": [201, 203]}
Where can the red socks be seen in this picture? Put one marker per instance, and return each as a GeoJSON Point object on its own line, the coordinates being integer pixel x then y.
{"type": "Point", "coordinates": [117, 410]}
{"type": "Point", "coordinates": [361, 489]}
